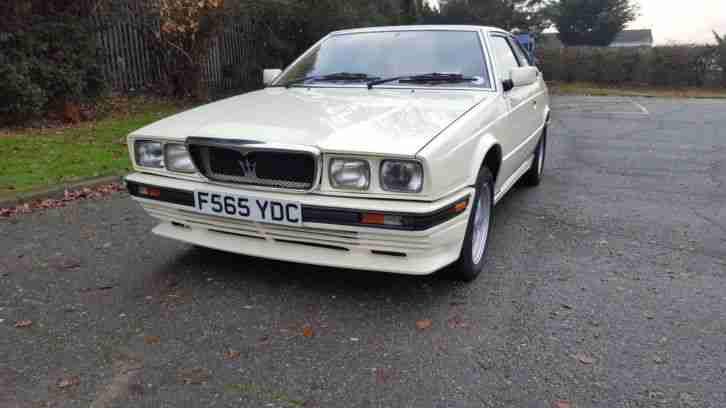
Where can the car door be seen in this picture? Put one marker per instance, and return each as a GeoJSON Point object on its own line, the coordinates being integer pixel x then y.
{"type": "Point", "coordinates": [519, 124]}
{"type": "Point", "coordinates": [536, 97]}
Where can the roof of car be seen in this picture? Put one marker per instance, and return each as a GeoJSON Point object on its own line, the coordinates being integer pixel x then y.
{"type": "Point", "coordinates": [419, 27]}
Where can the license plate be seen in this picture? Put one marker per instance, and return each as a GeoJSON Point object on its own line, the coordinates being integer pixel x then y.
{"type": "Point", "coordinates": [248, 208]}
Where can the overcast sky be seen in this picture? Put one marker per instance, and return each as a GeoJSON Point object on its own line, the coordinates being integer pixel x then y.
{"type": "Point", "coordinates": [679, 21]}
{"type": "Point", "coordinates": [682, 21]}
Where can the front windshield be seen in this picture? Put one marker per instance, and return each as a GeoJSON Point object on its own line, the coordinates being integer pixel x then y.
{"type": "Point", "coordinates": [395, 53]}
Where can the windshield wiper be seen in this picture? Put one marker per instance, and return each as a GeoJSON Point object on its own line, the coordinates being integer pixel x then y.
{"type": "Point", "coordinates": [423, 78]}
{"type": "Point", "coordinates": [338, 76]}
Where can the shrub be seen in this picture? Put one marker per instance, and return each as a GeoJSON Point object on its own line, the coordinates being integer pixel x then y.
{"type": "Point", "coordinates": [20, 97]}
{"type": "Point", "coordinates": [47, 62]}
{"type": "Point", "coordinates": [675, 66]}
{"type": "Point", "coordinates": [721, 56]}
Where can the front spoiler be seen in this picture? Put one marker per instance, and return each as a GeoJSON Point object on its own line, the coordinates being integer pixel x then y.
{"type": "Point", "coordinates": [415, 252]}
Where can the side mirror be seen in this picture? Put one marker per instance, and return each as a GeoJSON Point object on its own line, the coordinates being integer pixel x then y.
{"type": "Point", "coordinates": [269, 75]}
{"type": "Point", "coordinates": [523, 76]}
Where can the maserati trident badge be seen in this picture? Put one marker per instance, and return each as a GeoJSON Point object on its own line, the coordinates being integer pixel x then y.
{"type": "Point", "coordinates": [248, 167]}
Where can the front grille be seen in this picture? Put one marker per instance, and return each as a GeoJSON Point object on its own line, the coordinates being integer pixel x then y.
{"type": "Point", "coordinates": [268, 168]}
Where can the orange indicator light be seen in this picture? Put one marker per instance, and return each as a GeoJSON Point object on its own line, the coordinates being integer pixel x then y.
{"type": "Point", "coordinates": [150, 192]}
{"type": "Point", "coordinates": [461, 206]}
{"type": "Point", "coordinates": [373, 218]}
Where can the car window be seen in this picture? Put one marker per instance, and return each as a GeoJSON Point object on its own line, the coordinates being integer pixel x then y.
{"type": "Point", "coordinates": [389, 54]}
{"type": "Point", "coordinates": [506, 60]}
{"type": "Point", "coordinates": [522, 56]}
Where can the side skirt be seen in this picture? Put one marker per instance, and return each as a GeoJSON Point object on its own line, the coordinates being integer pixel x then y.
{"type": "Point", "coordinates": [513, 179]}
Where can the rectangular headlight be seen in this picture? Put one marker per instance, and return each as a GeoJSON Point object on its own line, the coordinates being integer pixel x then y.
{"type": "Point", "coordinates": [148, 154]}
{"type": "Point", "coordinates": [401, 176]}
{"type": "Point", "coordinates": [177, 158]}
{"type": "Point", "coordinates": [350, 174]}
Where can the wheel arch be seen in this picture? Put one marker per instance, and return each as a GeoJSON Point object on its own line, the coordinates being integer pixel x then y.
{"type": "Point", "coordinates": [493, 160]}
{"type": "Point", "coordinates": [488, 153]}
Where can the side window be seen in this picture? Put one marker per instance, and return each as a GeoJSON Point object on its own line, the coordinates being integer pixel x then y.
{"type": "Point", "coordinates": [506, 60]}
{"type": "Point", "coordinates": [522, 56]}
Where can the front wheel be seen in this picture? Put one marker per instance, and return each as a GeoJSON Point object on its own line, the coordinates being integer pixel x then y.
{"type": "Point", "coordinates": [476, 240]}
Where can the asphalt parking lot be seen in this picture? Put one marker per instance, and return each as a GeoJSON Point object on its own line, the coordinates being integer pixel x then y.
{"type": "Point", "coordinates": [605, 287]}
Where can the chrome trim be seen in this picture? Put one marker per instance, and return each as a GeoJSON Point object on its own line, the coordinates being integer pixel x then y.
{"type": "Point", "coordinates": [246, 146]}
{"type": "Point", "coordinates": [489, 60]}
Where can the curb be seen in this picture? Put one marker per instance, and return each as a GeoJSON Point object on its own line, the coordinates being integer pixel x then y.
{"type": "Point", "coordinates": [56, 192]}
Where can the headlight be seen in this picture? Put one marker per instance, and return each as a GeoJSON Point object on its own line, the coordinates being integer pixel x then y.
{"type": "Point", "coordinates": [401, 176]}
{"type": "Point", "coordinates": [177, 158]}
{"type": "Point", "coordinates": [350, 174]}
{"type": "Point", "coordinates": [148, 154]}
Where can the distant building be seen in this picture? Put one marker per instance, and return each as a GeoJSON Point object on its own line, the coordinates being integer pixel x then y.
{"type": "Point", "coordinates": [626, 38]}
{"type": "Point", "coordinates": [633, 38]}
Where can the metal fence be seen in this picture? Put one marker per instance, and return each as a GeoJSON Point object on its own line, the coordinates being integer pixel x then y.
{"type": "Point", "coordinates": [130, 64]}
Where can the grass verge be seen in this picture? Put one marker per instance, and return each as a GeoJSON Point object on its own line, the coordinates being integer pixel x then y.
{"type": "Point", "coordinates": [585, 88]}
{"type": "Point", "coordinates": [32, 158]}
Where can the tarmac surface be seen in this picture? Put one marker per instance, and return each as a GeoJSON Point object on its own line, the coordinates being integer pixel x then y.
{"type": "Point", "coordinates": [605, 287]}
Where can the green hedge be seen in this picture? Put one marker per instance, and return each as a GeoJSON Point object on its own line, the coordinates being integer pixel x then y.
{"type": "Point", "coordinates": [674, 66]}
{"type": "Point", "coordinates": [46, 62]}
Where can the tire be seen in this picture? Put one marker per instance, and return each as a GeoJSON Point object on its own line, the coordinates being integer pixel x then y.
{"type": "Point", "coordinates": [533, 176]}
{"type": "Point", "coordinates": [471, 259]}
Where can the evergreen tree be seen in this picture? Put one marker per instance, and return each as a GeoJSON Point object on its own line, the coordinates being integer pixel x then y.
{"type": "Point", "coordinates": [590, 22]}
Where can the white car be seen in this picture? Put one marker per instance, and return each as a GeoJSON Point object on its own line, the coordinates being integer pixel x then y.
{"type": "Point", "coordinates": [382, 149]}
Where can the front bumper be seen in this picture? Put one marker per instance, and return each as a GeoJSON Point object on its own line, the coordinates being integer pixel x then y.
{"type": "Point", "coordinates": [328, 236]}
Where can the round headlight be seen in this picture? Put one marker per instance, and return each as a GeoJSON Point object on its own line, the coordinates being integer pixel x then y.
{"type": "Point", "coordinates": [401, 176]}
{"type": "Point", "coordinates": [178, 158]}
{"type": "Point", "coordinates": [148, 154]}
{"type": "Point", "coordinates": [350, 174]}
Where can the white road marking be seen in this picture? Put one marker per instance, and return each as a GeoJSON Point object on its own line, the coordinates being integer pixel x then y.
{"type": "Point", "coordinates": [599, 106]}
{"type": "Point", "coordinates": [641, 107]}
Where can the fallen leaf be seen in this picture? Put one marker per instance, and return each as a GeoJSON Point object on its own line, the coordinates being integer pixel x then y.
{"type": "Point", "coordinates": [562, 404]}
{"type": "Point", "coordinates": [308, 331]}
{"type": "Point", "coordinates": [98, 289]}
{"type": "Point", "coordinates": [584, 358]}
{"type": "Point", "coordinates": [70, 264]}
{"type": "Point", "coordinates": [83, 194]}
{"type": "Point", "coordinates": [193, 375]}
{"type": "Point", "coordinates": [424, 324]}
{"type": "Point", "coordinates": [385, 375]}
{"type": "Point", "coordinates": [23, 323]}
{"type": "Point", "coordinates": [457, 322]}
{"type": "Point", "coordinates": [231, 354]}
{"type": "Point", "coordinates": [152, 339]}
{"type": "Point", "coordinates": [69, 382]}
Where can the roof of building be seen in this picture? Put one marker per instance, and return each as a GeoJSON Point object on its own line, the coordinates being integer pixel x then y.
{"type": "Point", "coordinates": [634, 36]}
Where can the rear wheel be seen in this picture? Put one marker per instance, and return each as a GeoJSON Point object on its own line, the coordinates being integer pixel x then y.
{"type": "Point", "coordinates": [476, 240]}
{"type": "Point", "coordinates": [534, 175]}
